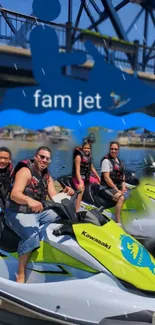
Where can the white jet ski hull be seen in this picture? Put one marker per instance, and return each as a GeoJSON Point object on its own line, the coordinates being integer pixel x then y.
{"type": "Point", "coordinates": [85, 301]}
{"type": "Point", "coordinates": [63, 293]}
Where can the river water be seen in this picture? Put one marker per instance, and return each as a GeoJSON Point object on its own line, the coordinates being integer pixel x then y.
{"type": "Point", "coordinates": [62, 153]}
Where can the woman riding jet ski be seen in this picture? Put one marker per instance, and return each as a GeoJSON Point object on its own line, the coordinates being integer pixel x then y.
{"type": "Point", "coordinates": [82, 169]}
{"type": "Point", "coordinates": [93, 195]}
{"type": "Point", "coordinates": [86, 271]}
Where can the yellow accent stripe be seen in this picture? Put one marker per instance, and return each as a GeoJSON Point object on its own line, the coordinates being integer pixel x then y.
{"type": "Point", "coordinates": [48, 254]}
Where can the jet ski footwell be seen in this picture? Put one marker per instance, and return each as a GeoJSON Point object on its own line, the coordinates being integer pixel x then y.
{"type": "Point", "coordinates": [84, 301]}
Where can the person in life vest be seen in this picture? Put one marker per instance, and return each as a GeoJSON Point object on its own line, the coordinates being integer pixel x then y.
{"type": "Point", "coordinates": [83, 170]}
{"type": "Point", "coordinates": [25, 211]}
{"type": "Point", "coordinates": [113, 178]}
{"type": "Point", "coordinates": [6, 170]}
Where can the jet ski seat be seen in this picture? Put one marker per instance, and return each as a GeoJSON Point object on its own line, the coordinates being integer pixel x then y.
{"type": "Point", "coordinates": [66, 181]}
{"type": "Point", "coordinates": [129, 176]}
{"type": "Point", "coordinates": [9, 240]}
{"type": "Point", "coordinates": [92, 194]}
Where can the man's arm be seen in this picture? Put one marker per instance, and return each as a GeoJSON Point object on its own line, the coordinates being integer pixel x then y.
{"type": "Point", "coordinates": [52, 191]}
{"type": "Point", "coordinates": [124, 189]}
{"type": "Point", "coordinates": [95, 172]}
{"type": "Point", "coordinates": [51, 188]}
{"type": "Point", "coordinates": [109, 181]}
{"type": "Point", "coordinates": [22, 178]}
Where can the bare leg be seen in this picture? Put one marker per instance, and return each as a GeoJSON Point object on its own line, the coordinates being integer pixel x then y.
{"type": "Point", "coordinates": [23, 260]}
{"type": "Point", "coordinates": [118, 209]}
{"type": "Point", "coordinates": [119, 198]}
{"type": "Point", "coordinates": [79, 199]}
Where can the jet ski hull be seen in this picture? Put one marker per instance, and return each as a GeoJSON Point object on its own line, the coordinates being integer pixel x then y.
{"type": "Point", "coordinates": [87, 272]}
{"type": "Point", "coordinates": [88, 301]}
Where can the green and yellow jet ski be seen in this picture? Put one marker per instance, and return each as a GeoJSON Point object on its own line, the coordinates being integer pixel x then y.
{"type": "Point", "coordinates": [137, 215]}
{"type": "Point", "coordinates": [88, 270]}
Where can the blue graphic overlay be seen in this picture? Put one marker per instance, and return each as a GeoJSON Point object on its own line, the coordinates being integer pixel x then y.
{"type": "Point", "coordinates": [46, 10]}
{"type": "Point", "coordinates": [39, 121]}
{"type": "Point", "coordinates": [135, 253]}
{"type": "Point", "coordinates": [108, 90]}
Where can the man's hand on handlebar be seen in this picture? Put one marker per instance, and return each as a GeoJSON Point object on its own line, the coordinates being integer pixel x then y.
{"type": "Point", "coordinates": [68, 190]}
{"type": "Point", "coordinates": [124, 189]}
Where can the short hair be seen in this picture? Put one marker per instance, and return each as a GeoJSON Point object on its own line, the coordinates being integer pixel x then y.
{"type": "Point", "coordinates": [114, 142]}
{"type": "Point", "coordinates": [44, 148]}
{"type": "Point", "coordinates": [5, 149]}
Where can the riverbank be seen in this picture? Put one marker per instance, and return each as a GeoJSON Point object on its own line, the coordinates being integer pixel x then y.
{"type": "Point", "coordinates": [138, 145]}
{"type": "Point", "coordinates": [20, 144]}
{"type": "Point", "coordinates": [136, 142]}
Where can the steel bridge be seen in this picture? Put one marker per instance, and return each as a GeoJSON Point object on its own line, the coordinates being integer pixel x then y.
{"type": "Point", "coordinates": [120, 50]}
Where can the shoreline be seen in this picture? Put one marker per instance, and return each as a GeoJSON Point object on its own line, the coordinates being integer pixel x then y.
{"type": "Point", "coordinates": [139, 146]}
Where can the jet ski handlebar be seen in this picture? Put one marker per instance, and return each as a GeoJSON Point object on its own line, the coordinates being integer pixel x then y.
{"type": "Point", "coordinates": [66, 208]}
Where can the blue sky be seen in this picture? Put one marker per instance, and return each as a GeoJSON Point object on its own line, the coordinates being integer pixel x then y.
{"type": "Point", "coordinates": [126, 15]}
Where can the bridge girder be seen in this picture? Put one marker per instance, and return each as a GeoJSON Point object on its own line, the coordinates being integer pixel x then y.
{"type": "Point", "coordinates": [104, 9]}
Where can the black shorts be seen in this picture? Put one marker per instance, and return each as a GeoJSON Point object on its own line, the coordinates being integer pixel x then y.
{"type": "Point", "coordinates": [108, 192]}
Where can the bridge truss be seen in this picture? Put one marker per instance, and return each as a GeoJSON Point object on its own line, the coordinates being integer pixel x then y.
{"type": "Point", "coordinates": [121, 51]}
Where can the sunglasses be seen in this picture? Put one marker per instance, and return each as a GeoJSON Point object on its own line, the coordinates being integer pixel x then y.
{"type": "Point", "coordinates": [44, 157]}
{"type": "Point", "coordinates": [4, 158]}
{"type": "Point", "coordinates": [113, 149]}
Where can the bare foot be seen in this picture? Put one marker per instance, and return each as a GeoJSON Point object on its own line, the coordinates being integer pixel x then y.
{"type": "Point", "coordinates": [20, 278]}
{"type": "Point", "coordinates": [119, 224]}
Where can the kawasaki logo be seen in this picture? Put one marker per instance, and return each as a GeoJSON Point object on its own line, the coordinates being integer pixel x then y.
{"type": "Point", "coordinates": [84, 233]}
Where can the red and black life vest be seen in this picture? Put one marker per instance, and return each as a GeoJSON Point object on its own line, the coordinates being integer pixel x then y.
{"type": "Point", "coordinates": [37, 188]}
{"type": "Point", "coordinates": [85, 165]}
{"type": "Point", "coordinates": [117, 173]}
{"type": "Point", "coordinates": [5, 184]}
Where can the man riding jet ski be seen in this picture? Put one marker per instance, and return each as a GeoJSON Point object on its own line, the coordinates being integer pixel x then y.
{"type": "Point", "coordinates": [6, 170]}
{"type": "Point", "coordinates": [24, 211]}
{"type": "Point", "coordinates": [86, 271]}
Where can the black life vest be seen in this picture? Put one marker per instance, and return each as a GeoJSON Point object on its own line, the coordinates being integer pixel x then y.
{"type": "Point", "coordinates": [5, 184]}
{"type": "Point", "coordinates": [85, 165]}
{"type": "Point", "coordinates": [117, 173]}
{"type": "Point", "coordinates": [37, 189]}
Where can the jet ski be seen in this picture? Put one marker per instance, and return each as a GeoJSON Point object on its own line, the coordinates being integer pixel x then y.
{"type": "Point", "coordinates": [93, 194]}
{"type": "Point", "coordinates": [138, 213]}
{"type": "Point", "coordinates": [86, 271]}
{"type": "Point", "coordinates": [149, 166]}
{"type": "Point", "coordinates": [137, 216]}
